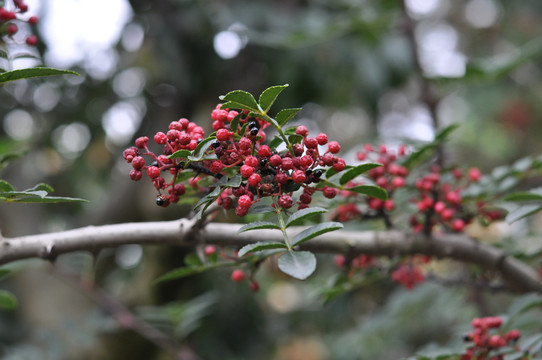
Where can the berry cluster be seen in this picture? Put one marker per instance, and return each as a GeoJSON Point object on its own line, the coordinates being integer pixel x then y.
{"type": "Point", "coordinates": [408, 275]}
{"type": "Point", "coordinates": [437, 194]}
{"type": "Point", "coordinates": [8, 15]}
{"type": "Point", "coordinates": [236, 148]}
{"type": "Point", "coordinates": [484, 342]}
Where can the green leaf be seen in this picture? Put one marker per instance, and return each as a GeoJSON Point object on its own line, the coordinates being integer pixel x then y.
{"type": "Point", "coordinates": [241, 99]}
{"type": "Point", "coordinates": [235, 181]}
{"type": "Point", "coordinates": [522, 212]}
{"type": "Point", "coordinates": [331, 172]}
{"type": "Point", "coordinates": [41, 187]}
{"type": "Point", "coordinates": [440, 137]}
{"type": "Point", "coordinates": [303, 214]}
{"type": "Point", "coordinates": [192, 260]}
{"type": "Point", "coordinates": [202, 147]}
{"type": "Point", "coordinates": [5, 186]}
{"type": "Point", "coordinates": [261, 209]}
{"type": "Point", "coordinates": [42, 200]}
{"type": "Point", "coordinates": [8, 301]}
{"type": "Point", "coordinates": [182, 154]}
{"type": "Point", "coordinates": [523, 196]}
{"type": "Point", "coordinates": [277, 140]}
{"type": "Point", "coordinates": [316, 230]}
{"type": "Point", "coordinates": [370, 190]}
{"type": "Point", "coordinates": [269, 95]}
{"type": "Point", "coordinates": [297, 264]}
{"type": "Point", "coordinates": [286, 115]}
{"type": "Point", "coordinates": [295, 139]}
{"type": "Point", "coordinates": [260, 246]}
{"type": "Point", "coordinates": [355, 171]}
{"type": "Point", "coordinates": [209, 198]}
{"type": "Point", "coordinates": [234, 124]}
{"type": "Point", "coordinates": [31, 73]}
{"type": "Point", "coordinates": [257, 225]}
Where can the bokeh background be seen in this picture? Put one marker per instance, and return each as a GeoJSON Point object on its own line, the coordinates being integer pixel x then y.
{"type": "Point", "coordinates": [349, 65]}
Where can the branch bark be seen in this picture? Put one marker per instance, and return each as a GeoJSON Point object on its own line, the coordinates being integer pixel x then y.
{"type": "Point", "coordinates": [186, 232]}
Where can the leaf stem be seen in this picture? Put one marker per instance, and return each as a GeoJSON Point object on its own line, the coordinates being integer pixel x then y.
{"type": "Point", "coordinates": [279, 130]}
{"type": "Point", "coordinates": [282, 224]}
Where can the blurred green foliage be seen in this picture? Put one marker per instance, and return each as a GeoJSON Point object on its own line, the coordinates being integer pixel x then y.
{"type": "Point", "coordinates": [350, 65]}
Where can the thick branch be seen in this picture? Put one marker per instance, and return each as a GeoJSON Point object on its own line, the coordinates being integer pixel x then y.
{"type": "Point", "coordinates": [518, 275]}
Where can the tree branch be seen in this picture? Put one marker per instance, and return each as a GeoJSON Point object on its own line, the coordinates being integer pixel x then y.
{"type": "Point", "coordinates": [515, 273]}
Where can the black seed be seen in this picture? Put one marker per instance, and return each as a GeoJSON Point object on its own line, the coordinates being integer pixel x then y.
{"type": "Point", "coordinates": [308, 172]}
{"type": "Point", "coordinates": [215, 143]}
{"type": "Point", "coordinates": [318, 173]}
{"type": "Point", "coordinates": [200, 140]}
{"type": "Point", "coordinates": [254, 131]}
{"type": "Point", "coordinates": [263, 162]}
{"type": "Point", "coordinates": [160, 201]}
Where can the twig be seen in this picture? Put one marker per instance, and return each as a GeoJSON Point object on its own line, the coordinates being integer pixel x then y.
{"type": "Point", "coordinates": [516, 274]}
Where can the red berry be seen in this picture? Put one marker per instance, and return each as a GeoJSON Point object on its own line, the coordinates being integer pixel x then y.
{"type": "Point", "coordinates": [153, 172]}
{"type": "Point", "coordinates": [245, 143]}
{"type": "Point", "coordinates": [216, 167]}
{"type": "Point", "coordinates": [160, 138]}
{"type": "Point", "coordinates": [458, 225]}
{"type": "Point", "coordinates": [287, 163]}
{"type": "Point", "coordinates": [286, 201]}
{"type": "Point", "coordinates": [254, 286]}
{"type": "Point", "coordinates": [245, 201]}
{"type": "Point", "coordinates": [311, 143]}
{"type": "Point", "coordinates": [241, 211]}
{"type": "Point", "coordinates": [11, 29]}
{"type": "Point", "coordinates": [141, 142]}
{"type": "Point", "coordinates": [302, 130]}
{"type": "Point", "coordinates": [439, 207]}
{"type": "Point", "coordinates": [238, 275]}
{"type": "Point", "coordinates": [135, 175]}
{"type": "Point", "coordinates": [209, 250]}
{"type": "Point", "coordinates": [447, 214]}
{"type": "Point", "coordinates": [32, 40]}
{"type": "Point", "coordinates": [281, 178]}
{"type": "Point", "coordinates": [453, 198]}
{"type": "Point", "coordinates": [334, 147]}
{"type": "Point", "coordinates": [321, 138]}
{"type": "Point", "coordinates": [223, 135]}
{"type": "Point", "coordinates": [138, 162]}
{"type": "Point", "coordinates": [264, 151]}
{"type": "Point", "coordinates": [298, 149]}
{"type": "Point", "coordinates": [254, 179]}
{"type": "Point", "coordinates": [306, 161]}
{"type": "Point", "coordinates": [389, 205]}
{"type": "Point", "coordinates": [339, 165]}
{"type": "Point", "coordinates": [329, 192]}
{"type": "Point", "coordinates": [375, 204]}
{"type": "Point", "coordinates": [275, 160]}
{"type": "Point", "coordinates": [328, 159]}
{"type": "Point", "coordinates": [251, 161]}
{"type": "Point", "coordinates": [474, 174]}
{"type": "Point", "coordinates": [33, 20]}
{"type": "Point", "coordinates": [299, 176]}
{"type": "Point", "coordinates": [398, 182]}
{"type": "Point", "coordinates": [246, 171]}
{"type": "Point", "coordinates": [305, 198]}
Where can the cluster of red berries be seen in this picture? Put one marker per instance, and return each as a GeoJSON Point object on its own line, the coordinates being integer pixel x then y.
{"type": "Point", "coordinates": [484, 342]}
{"type": "Point", "coordinates": [408, 275]}
{"type": "Point", "coordinates": [9, 27]}
{"type": "Point", "coordinates": [438, 194]}
{"type": "Point", "coordinates": [239, 150]}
